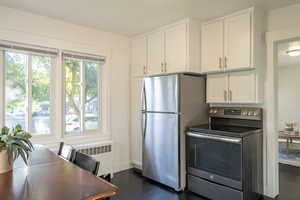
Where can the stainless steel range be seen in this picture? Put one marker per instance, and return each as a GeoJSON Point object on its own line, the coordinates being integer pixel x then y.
{"type": "Point", "coordinates": [224, 157]}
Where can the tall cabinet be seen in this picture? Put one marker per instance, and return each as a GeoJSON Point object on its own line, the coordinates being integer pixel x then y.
{"type": "Point", "coordinates": [136, 129]}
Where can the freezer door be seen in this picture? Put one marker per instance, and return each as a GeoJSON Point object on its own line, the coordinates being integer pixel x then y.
{"type": "Point", "coordinates": [161, 148]}
{"type": "Point", "coordinates": [161, 94]}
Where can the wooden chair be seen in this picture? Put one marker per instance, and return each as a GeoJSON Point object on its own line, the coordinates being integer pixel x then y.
{"type": "Point", "coordinates": [66, 151]}
{"type": "Point", "coordinates": [86, 162]}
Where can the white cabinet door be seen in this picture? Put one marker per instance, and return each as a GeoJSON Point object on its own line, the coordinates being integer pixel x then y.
{"type": "Point", "coordinates": [242, 87]}
{"type": "Point", "coordinates": [217, 88]}
{"type": "Point", "coordinates": [136, 129]}
{"type": "Point", "coordinates": [156, 52]}
{"type": "Point", "coordinates": [212, 46]}
{"type": "Point", "coordinates": [176, 48]}
{"type": "Point", "coordinates": [139, 56]}
{"type": "Point", "coordinates": [237, 39]}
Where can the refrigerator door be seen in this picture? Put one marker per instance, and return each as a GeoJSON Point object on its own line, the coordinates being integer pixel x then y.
{"type": "Point", "coordinates": [161, 94]}
{"type": "Point", "coordinates": [160, 149]}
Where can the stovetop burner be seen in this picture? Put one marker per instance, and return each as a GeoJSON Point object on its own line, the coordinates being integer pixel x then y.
{"type": "Point", "coordinates": [232, 121]}
{"type": "Point", "coordinates": [231, 131]}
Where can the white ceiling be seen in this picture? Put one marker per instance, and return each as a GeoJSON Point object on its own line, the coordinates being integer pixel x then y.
{"type": "Point", "coordinates": [131, 17]}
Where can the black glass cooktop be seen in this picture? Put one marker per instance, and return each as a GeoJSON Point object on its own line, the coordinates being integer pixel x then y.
{"type": "Point", "coordinates": [233, 131]}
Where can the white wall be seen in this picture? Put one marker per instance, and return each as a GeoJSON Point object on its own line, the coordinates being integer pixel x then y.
{"type": "Point", "coordinates": [288, 95]}
{"type": "Point", "coordinates": [282, 24]}
{"type": "Point", "coordinates": [33, 29]}
{"type": "Point", "coordinates": [284, 18]}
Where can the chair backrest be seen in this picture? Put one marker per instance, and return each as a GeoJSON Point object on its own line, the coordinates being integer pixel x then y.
{"type": "Point", "coordinates": [66, 151]}
{"type": "Point", "coordinates": [86, 162]}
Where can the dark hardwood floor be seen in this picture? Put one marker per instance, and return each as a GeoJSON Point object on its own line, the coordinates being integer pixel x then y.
{"type": "Point", "coordinates": [289, 182]}
{"type": "Point", "coordinates": [134, 187]}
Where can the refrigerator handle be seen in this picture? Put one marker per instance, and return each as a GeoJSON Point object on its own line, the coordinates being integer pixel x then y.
{"type": "Point", "coordinates": [144, 97]}
{"type": "Point", "coordinates": [144, 108]}
{"type": "Point", "coordinates": [144, 124]}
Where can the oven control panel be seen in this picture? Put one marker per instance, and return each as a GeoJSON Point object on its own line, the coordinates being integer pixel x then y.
{"type": "Point", "coordinates": [233, 112]}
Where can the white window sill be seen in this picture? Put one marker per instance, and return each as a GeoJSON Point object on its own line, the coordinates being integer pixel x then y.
{"type": "Point", "coordinates": [52, 142]}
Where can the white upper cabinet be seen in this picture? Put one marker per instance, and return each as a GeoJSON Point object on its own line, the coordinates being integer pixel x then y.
{"type": "Point", "coordinates": [173, 48]}
{"type": "Point", "coordinates": [237, 41]}
{"type": "Point", "coordinates": [156, 53]}
{"type": "Point", "coordinates": [176, 48]}
{"type": "Point", "coordinates": [217, 88]}
{"type": "Point", "coordinates": [234, 42]}
{"type": "Point", "coordinates": [242, 87]}
{"type": "Point", "coordinates": [235, 87]}
{"type": "Point", "coordinates": [212, 46]}
{"type": "Point", "coordinates": [139, 56]}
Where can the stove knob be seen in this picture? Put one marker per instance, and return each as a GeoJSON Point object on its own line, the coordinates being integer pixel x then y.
{"type": "Point", "coordinates": [215, 111]}
{"type": "Point", "coordinates": [255, 113]}
{"type": "Point", "coordinates": [250, 113]}
{"type": "Point", "coordinates": [244, 113]}
{"type": "Point", "coordinates": [211, 111]}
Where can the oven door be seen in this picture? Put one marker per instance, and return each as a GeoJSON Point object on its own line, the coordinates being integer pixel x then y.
{"type": "Point", "coordinates": [215, 158]}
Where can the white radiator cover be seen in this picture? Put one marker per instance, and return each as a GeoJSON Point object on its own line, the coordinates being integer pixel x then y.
{"type": "Point", "coordinates": [103, 152]}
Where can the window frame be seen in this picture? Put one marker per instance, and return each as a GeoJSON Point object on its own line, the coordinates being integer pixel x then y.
{"type": "Point", "coordinates": [83, 132]}
{"type": "Point", "coordinates": [57, 113]}
{"type": "Point", "coordinates": [28, 97]}
{"type": "Point", "coordinates": [2, 87]}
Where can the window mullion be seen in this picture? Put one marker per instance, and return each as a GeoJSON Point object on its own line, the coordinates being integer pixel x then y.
{"type": "Point", "coordinates": [2, 87]}
{"type": "Point", "coordinates": [82, 96]}
{"type": "Point", "coordinates": [29, 94]}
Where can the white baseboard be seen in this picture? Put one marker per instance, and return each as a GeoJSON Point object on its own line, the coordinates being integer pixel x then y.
{"type": "Point", "coordinates": [123, 166]}
{"type": "Point", "coordinates": [137, 165]}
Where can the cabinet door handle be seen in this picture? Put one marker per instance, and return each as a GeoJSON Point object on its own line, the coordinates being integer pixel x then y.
{"type": "Point", "coordinates": [225, 95]}
{"type": "Point", "coordinates": [165, 67]}
{"type": "Point", "coordinates": [225, 62]}
{"type": "Point", "coordinates": [220, 63]}
{"type": "Point", "coordinates": [230, 95]}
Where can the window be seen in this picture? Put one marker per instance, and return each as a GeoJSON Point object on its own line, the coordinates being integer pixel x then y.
{"type": "Point", "coordinates": [82, 92]}
{"type": "Point", "coordinates": [27, 91]}
{"type": "Point", "coordinates": [32, 83]}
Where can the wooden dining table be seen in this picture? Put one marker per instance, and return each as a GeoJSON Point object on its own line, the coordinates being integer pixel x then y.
{"type": "Point", "coordinates": [49, 177]}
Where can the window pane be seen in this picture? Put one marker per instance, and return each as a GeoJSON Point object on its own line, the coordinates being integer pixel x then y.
{"type": "Point", "coordinates": [91, 95]}
{"type": "Point", "coordinates": [41, 66]}
{"type": "Point", "coordinates": [72, 91]}
{"type": "Point", "coordinates": [15, 89]}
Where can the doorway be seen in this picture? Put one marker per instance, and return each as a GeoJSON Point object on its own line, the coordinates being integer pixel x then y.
{"type": "Point", "coordinates": [288, 101]}
{"type": "Point", "coordinates": [283, 86]}
{"type": "Point", "coordinates": [280, 162]}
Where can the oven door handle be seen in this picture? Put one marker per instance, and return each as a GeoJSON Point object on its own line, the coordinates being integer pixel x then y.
{"type": "Point", "coordinates": [215, 137]}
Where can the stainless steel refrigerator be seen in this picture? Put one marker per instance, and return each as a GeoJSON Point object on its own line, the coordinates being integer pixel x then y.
{"type": "Point", "coordinates": [170, 103]}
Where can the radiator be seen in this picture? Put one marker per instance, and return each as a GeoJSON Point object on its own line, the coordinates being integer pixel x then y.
{"type": "Point", "coordinates": [101, 152]}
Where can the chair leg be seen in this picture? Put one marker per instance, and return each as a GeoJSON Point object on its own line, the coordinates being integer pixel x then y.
{"type": "Point", "coordinates": [106, 177]}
